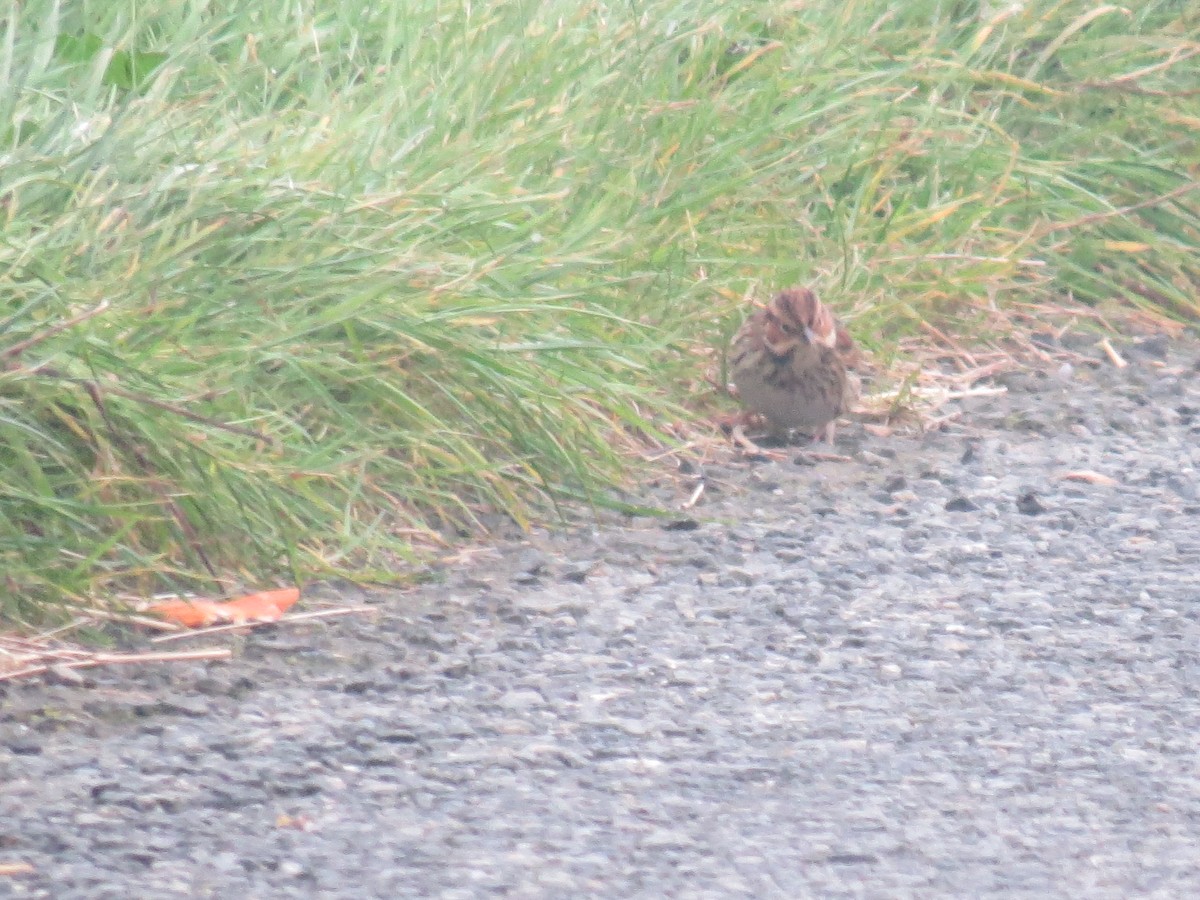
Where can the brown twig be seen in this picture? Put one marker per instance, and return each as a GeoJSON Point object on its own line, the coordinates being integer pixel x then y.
{"type": "Point", "coordinates": [971, 376]}
{"type": "Point", "coordinates": [1114, 357]}
{"type": "Point", "coordinates": [133, 619]}
{"type": "Point", "coordinates": [115, 659]}
{"type": "Point", "coordinates": [1072, 356]}
{"type": "Point", "coordinates": [1122, 211]}
{"type": "Point", "coordinates": [949, 342]}
{"type": "Point", "coordinates": [21, 346]}
{"type": "Point", "coordinates": [821, 456]}
{"type": "Point", "coordinates": [88, 384]}
{"type": "Point", "coordinates": [967, 257]}
{"type": "Point", "coordinates": [674, 451]}
{"type": "Point", "coordinates": [1125, 82]}
{"type": "Point", "coordinates": [286, 620]}
{"type": "Point", "coordinates": [935, 423]}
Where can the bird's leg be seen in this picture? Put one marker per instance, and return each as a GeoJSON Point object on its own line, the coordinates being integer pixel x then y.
{"type": "Point", "coordinates": [827, 433]}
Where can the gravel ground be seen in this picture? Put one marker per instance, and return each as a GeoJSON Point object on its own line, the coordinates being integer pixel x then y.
{"type": "Point", "coordinates": [939, 670]}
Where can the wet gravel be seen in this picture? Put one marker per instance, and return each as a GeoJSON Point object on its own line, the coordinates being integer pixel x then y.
{"type": "Point", "coordinates": [939, 670]}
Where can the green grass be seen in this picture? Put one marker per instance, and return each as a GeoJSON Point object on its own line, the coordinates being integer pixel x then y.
{"type": "Point", "coordinates": [290, 289]}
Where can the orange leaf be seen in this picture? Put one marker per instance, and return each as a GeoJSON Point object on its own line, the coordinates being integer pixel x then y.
{"type": "Point", "coordinates": [189, 613]}
{"type": "Point", "coordinates": [263, 606]}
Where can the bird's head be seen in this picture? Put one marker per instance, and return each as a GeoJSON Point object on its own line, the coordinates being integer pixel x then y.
{"type": "Point", "coordinates": [799, 312]}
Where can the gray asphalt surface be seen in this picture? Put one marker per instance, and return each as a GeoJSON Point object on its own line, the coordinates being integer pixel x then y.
{"type": "Point", "coordinates": [939, 670]}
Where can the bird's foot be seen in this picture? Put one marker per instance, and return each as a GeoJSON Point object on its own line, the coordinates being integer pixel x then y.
{"type": "Point", "coordinates": [739, 438]}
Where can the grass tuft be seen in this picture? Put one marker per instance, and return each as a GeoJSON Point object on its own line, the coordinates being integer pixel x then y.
{"type": "Point", "coordinates": [317, 287]}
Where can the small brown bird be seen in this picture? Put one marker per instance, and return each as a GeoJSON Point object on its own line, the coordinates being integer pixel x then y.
{"type": "Point", "coordinates": [789, 365]}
